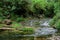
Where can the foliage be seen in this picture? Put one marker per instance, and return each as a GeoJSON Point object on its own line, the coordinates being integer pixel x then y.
{"type": "Point", "coordinates": [56, 19]}
{"type": "Point", "coordinates": [17, 10]}
{"type": "Point", "coordinates": [20, 19]}
{"type": "Point", "coordinates": [27, 30]}
{"type": "Point", "coordinates": [38, 4]}
{"type": "Point", "coordinates": [16, 25]}
{"type": "Point", "coordinates": [8, 8]}
{"type": "Point", "coordinates": [57, 24]}
{"type": "Point", "coordinates": [24, 8]}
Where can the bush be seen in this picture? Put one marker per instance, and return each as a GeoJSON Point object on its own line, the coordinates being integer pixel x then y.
{"type": "Point", "coordinates": [16, 25]}
{"type": "Point", "coordinates": [56, 21]}
{"type": "Point", "coordinates": [24, 8]}
{"type": "Point", "coordinates": [27, 30]}
{"type": "Point", "coordinates": [57, 24]}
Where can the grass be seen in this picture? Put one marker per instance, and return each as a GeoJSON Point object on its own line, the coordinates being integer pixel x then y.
{"type": "Point", "coordinates": [2, 25]}
{"type": "Point", "coordinates": [16, 25]}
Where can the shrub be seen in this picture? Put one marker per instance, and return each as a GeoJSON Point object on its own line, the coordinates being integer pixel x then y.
{"type": "Point", "coordinates": [27, 30]}
{"type": "Point", "coordinates": [56, 21]}
{"type": "Point", "coordinates": [16, 25]}
{"type": "Point", "coordinates": [57, 24]}
{"type": "Point", "coordinates": [24, 8]}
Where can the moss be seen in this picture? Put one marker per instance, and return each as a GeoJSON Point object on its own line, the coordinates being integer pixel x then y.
{"type": "Point", "coordinates": [16, 25]}
{"type": "Point", "coordinates": [27, 30]}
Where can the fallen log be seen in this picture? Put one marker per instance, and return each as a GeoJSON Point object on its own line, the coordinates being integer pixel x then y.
{"type": "Point", "coordinates": [3, 29]}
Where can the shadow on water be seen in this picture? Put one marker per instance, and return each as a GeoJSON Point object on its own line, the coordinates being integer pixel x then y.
{"type": "Point", "coordinates": [8, 35]}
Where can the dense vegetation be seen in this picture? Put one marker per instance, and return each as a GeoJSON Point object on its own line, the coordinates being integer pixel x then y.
{"type": "Point", "coordinates": [55, 22]}
{"type": "Point", "coordinates": [18, 10]}
{"type": "Point", "coordinates": [22, 8]}
{"type": "Point", "coordinates": [15, 12]}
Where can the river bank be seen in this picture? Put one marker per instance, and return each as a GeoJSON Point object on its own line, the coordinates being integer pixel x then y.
{"type": "Point", "coordinates": [39, 26]}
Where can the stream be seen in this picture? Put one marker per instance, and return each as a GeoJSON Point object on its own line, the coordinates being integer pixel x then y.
{"type": "Point", "coordinates": [37, 22]}
{"type": "Point", "coordinates": [42, 28]}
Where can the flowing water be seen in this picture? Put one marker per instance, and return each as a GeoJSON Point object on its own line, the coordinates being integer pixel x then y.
{"type": "Point", "coordinates": [43, 29]}
{"type": "Point", "coordinates": [37, 22]}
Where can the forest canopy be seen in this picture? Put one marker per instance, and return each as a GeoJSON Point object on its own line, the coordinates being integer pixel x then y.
{"type": "Point", "coordinates": [26, 7]}
{"type": "Point", "coordinates": [20, 9]}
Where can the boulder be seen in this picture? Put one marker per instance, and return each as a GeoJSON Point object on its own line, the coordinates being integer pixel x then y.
{"type": "Point", "coordinates": [45, 31]}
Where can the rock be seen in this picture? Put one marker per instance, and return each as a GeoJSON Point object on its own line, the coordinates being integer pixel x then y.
{"type": "Point", "coordinates": [54, 38]}
{"type": "Point", "coordinates": [7, 22]}
{"type": "Point", "coordinates": [45, 24]}
{"type": "Point", "coordinates": [45, 31]}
